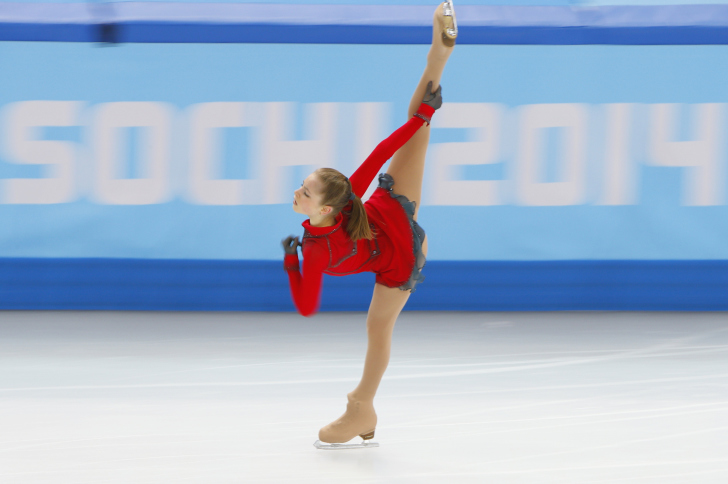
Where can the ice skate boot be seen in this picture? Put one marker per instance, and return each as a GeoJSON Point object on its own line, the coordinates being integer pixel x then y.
{"type": "Point", "coordinates": [359, 419]}
{"type": "Point", "coordinates": [448, 24]}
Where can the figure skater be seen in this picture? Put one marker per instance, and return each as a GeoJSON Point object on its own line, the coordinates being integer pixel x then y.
{"type": "Point", "coordinates": [344, 236]}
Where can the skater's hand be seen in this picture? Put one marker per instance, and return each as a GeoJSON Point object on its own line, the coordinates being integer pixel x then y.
{"type": "Point", "coordinates": [433, 99]}
{"type": "Point", "coordinates": [290, 245]}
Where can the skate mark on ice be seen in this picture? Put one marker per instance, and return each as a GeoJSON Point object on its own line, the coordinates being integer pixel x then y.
{"type": "Point", "coordinates": [724, 406]}
{"type": "Point", "coordinates": [561, 387]}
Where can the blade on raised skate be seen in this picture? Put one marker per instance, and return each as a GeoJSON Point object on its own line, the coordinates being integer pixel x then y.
{"type": "Point", "coordinates": [364, 444]}
{"type": "Point", "coordinates": [448, 9]}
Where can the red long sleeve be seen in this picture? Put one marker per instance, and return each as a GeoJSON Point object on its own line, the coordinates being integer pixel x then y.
{"type": "Point", "coordinates": [306, 288]}
{"type": "Point", "coordinates": [363, 176]}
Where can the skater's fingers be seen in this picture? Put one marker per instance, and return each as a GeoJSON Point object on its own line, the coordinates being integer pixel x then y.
{"type": "Point", "coordinates": [290, 244]}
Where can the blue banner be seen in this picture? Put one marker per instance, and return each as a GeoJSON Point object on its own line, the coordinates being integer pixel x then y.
{"type": "Point", "coordinates": [193, 151]}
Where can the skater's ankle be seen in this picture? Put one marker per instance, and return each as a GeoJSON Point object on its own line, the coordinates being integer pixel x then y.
{"type": "Point", "coordinates": [359, 397]}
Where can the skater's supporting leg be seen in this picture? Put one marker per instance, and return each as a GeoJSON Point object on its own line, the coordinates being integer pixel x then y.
{"type": "Point", "coordinates": [360, 417]}
{"type": "Point", "coordinates": [408, 164]}
{"type": "Point", "coordinates": [384, 309]}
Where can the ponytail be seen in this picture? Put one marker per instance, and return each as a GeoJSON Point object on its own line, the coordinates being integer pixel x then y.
{"type": "Point", "coordinates": [358, 227]}
{"type": "Point", "coordinates": [337, 193]}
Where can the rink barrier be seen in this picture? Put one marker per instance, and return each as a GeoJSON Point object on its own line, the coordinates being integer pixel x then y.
{"type": "Point", "coordinates": [154, 22]}
{"type": "Point", "coordinates": [249, 285]}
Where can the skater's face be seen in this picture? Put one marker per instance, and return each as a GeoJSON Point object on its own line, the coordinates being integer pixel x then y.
{"type": "Point", "coordinates": [307, 199]}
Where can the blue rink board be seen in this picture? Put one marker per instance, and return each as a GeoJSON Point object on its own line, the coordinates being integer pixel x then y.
{"type": "Point", "coordinates": [157, 22]}
{"type": "Point", "coordinates": [196, 285]}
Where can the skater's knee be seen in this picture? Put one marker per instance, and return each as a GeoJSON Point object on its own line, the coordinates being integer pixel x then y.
{"type": "Point", "coordinates": [381, 326]}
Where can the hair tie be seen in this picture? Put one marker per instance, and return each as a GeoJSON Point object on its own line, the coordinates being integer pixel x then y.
{"type": "Point", "coordinates": [352, 195]}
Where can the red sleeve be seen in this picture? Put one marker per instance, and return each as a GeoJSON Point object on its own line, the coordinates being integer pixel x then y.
{"type": "Point", "coordinates": [306, 287]}
{"type": "Point", "coordinates": [363, 176]}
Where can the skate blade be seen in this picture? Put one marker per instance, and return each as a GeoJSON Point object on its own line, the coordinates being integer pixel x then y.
{"type": "Point", "coordinates": [451, 24]}
{"type": "Point", "coordinates": [366, 444]}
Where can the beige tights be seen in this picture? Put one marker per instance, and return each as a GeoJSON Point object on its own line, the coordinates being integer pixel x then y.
{"type": "Point", "coordinates": [407, 169]}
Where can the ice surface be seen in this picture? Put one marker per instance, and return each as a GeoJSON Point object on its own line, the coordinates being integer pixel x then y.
{"type": "Point", "coordinates": [104, 397]}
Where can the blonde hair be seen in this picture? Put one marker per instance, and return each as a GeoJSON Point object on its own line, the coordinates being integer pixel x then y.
{"type": "Point", "coordinates": [336, 194]}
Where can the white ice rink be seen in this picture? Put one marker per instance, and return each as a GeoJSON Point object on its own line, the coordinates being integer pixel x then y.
{"type": "Point", "coordinates": [100, 397]}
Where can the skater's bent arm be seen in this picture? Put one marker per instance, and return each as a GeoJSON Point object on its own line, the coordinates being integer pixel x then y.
{"type": "Point", "coordinates": [363, 176]}
{"type": "Point", "coordinates": [306, 287]}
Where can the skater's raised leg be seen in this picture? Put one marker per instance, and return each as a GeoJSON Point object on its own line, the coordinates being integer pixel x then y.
{"type": "Point", "coordinates": [408, 164]}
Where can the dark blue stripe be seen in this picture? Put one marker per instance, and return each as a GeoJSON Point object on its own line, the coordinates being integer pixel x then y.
{"type": "Point", "coordinates": [29, 32]}
{"type": "Point", "coordinates": [203, 285]}
{"type": "Point", "coordinates": [363, 24]}
{"type": "Point", "coordinates": [653, 35]}
{"type": "Point", "coordinates": [272, 34]}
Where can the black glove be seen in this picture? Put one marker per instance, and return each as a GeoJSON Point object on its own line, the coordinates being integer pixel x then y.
{"type": "Point", "coordinates": [433, 99]}
{"type": "Point", "coordinates": [290, 245]}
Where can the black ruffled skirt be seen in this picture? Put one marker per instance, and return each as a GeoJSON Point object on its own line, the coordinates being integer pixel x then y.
{"type": "Point", "coordinates": [418, 234]}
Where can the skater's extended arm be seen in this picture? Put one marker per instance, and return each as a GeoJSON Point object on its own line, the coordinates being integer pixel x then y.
{"type": "Point", "coordinates": [363, 176]}
{"type": "Point", "coordinates": [306, 287]}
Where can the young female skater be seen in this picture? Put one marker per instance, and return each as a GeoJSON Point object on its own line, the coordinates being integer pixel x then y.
{"type": "Point", "coordinates": [343, 236]}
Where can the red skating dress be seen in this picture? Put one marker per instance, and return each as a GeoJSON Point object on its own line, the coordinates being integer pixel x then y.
{"type": "Point", "coordinates": [394, 254]}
